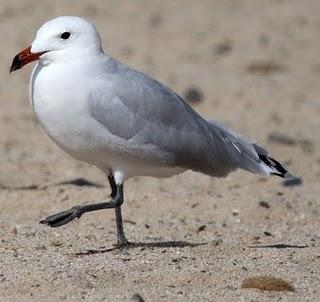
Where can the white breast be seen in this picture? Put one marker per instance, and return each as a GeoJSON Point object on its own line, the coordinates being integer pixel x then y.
{"type": "Point", "coordinates": [59, 104]}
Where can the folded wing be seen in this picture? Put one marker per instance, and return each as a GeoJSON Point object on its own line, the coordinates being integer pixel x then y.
{"type": "Point", "coordinates": [153, 123]}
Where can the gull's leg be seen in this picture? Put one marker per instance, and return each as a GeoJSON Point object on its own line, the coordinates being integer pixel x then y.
{"type": "Point", "coordinates": [122, 240]}
{"type": "Point", "coordinates": [113, 186]}
{"type": "Point", "coordinates": [65, 217]}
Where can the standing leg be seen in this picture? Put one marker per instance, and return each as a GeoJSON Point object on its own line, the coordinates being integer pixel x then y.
{"type": "Point", "coordinates": [122, 240]}
{"type": "Point", "coordinates": [113, 186]}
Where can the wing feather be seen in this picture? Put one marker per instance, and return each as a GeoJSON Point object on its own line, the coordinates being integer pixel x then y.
{"type": "Point", "coordinates": [147, 115]}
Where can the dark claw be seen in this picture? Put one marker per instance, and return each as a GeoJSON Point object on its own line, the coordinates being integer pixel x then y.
{"type": "Point", "coordinates": [123, 244]}
{"type": "Point", "coordinates": [63, 218]}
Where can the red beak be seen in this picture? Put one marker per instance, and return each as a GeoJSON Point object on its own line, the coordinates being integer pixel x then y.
{"type": "Point", "coordinates": [24, 57]}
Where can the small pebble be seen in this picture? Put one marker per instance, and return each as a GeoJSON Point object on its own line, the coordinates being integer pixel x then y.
{"type": "Point", "coordinates": [267, 283]}
{"type": "Point", "coordinates": [225, 47]}
{"type": "Point", "coordinates": [56, 242]}
{"type": "Point", "coordinates": [201, 228]}
{"type": "Point", "coordinates": [14, 231]}
{"type": "Point", "coordinates": [281, 138]}
{"type": "Point", "coordinates": [137, 298]}
{"type": "Point", "coordinates": [265, 67]}
{"type": "Point", "coordinates": [294, 181]}
{"type": "Point", "coordinates": [264, 204]}
{"type": "Point", "coordinates": [193, 95]}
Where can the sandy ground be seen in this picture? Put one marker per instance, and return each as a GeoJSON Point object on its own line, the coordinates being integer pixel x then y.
{"type": "Point", "coordinates": [197, 238]}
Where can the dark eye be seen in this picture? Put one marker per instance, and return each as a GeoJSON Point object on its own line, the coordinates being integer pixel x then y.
{"type": "Point", "coordinates": [66, 35]}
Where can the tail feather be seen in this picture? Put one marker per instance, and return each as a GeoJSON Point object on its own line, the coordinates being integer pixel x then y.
{"type": "Point", "coordinates": [245, 154]}
{"type": "Point", "coordinates": [275, 166]}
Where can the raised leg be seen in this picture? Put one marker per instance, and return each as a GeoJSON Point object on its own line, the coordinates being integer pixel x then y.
{"type": "Point", "coordinates": [117, 199]}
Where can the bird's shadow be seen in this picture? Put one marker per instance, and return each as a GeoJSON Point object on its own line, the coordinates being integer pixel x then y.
{"type": "Point", "coordinates": [79, 182]}
{"type": "Point", "coordinates": [142, 245]}
{"type": "Point", "coordinates": [279, 246]}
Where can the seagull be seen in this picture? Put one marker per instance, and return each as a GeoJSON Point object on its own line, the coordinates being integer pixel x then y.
{"type": "Point", "coordinates": [122, 121]}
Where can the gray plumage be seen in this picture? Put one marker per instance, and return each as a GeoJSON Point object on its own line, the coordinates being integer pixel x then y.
{"type": "Point", "coordinates": [158, 125]}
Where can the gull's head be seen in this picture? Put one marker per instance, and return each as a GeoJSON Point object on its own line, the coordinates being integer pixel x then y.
{"type": "Point", "coordinates": [60, 39]}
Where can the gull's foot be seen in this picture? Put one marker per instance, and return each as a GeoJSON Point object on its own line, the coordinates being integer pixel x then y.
{"type": "Point", "coordinates": [62, 218]}
{"type": "Point", "coordinates": [123, 244]}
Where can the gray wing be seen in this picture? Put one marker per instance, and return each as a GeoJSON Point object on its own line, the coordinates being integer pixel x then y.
{"type": "Point", "coordinates": [154, 123]}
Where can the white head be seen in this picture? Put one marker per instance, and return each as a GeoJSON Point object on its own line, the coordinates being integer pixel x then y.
{"type": "Point", "coordinates": [60, 39]}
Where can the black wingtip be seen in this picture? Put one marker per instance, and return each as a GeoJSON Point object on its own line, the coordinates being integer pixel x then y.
{"type": "Point", "coordinates": [277, 168]}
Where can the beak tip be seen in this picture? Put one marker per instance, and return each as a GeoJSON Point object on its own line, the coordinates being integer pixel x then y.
{"type": "Point", "coordinates": [24, 57]}
{"type": "Point", "coordinates": [16, 64]}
